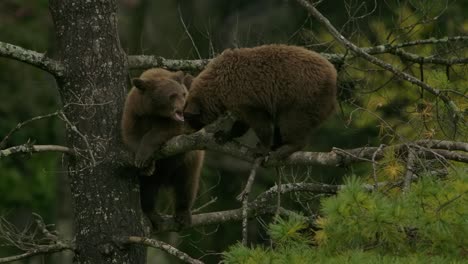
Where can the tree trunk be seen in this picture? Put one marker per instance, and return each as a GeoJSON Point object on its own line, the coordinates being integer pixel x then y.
{"type": "Point", "coordinates": [93, 89]}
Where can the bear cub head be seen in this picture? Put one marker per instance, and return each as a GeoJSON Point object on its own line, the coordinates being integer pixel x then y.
{"type": "Point", "coordinates": [163, 93]}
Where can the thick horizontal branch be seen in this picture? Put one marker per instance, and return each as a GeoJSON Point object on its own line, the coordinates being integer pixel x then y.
{"type": "Point", "coordinates": [145, 62]}
{"type": "Point", "coordinates": [38, 250]}
{"type": "Point", "coordinates": [29, 148]}
{"type": "Point", "coordinates": [206, 139]}
{"type": "Point", "coordinates": [31, 57]}
{"type": "Point", "coordinates": [148, 61]}
{"type": "Point", "coordinates": [361, 53]}
{"type": "Point", "coordinates": [159, 245]}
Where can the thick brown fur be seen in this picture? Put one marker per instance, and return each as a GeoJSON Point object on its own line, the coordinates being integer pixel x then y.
{"type": "Point", "coordinates": [281, 92]}
{"type": "Point", "coordinates": [153, 113]}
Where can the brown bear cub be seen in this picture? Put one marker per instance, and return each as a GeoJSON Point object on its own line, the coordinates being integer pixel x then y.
{"type": "Point", "coordinates": [281, 92]}
{"type": "Point", "coordinates": [153, 113]}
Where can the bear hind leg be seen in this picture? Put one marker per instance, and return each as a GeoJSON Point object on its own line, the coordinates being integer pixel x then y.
{"type": "Point", "coordinates": [262, 124]}
{"type": "Point", "coordinates": [149, 189]}
{"type": "Point", "coordinates": [293, 132]}
{"type": "Point", "coordinates": [186, 187]}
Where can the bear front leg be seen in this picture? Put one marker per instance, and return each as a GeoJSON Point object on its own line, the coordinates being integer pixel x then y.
{"type": "Point", "coordinates": [151, 141]}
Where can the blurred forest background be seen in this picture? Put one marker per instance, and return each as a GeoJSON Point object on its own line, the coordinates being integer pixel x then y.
{"type": "Point", "coordinates": [374, 109]}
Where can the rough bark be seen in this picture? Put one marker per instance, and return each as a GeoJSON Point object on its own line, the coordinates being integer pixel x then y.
{"type": "Point", "coordinates": [106, 201]}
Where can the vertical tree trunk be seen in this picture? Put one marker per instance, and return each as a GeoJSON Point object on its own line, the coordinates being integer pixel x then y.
{"type": "Point", "coordinates": [105, 200]}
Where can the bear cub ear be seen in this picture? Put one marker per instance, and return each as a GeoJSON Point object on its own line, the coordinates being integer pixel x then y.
{"type": "Point", "coordinates": [140, 84]}
{"type": "Point", "coordinates": [188, 81]}
{"type": "Point", "coordinates": [178, 76]}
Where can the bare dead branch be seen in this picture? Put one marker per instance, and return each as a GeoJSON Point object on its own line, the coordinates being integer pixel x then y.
{"type": "Point", "coordinates": [443, 144]}
{"type": "Point", "coordinates": [188, 32]}
{"type": "Point", "coordinates": [407, 56]}
{"type": "Point", "coordinates": [32, 58]}
{"type": "Point", "coordinates": [33, 240]}
{"type": "Point", "coordinates": [244, 197]}
{"type": "Point", "coordinates": [360, 52]}
{"type": "Point", "coordinates": [49, 249]}
{"type": "Point", "coordinates": [385, 48]}
{"type": "Point", "coordinates": [160, 245]}
{"type": "Point", "coordinates": [20, 125]}
{"type": "Point", "coordinates": [261, 205]}
{"type": "Point", "coordinates": [30, 148]}
{"type": "Point", "coordinates": [85, 139]}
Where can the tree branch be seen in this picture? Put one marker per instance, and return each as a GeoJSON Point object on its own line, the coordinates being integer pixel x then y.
{"type": "Point", "coordinates": [260, 206]}
{"type": "Point", "coordinates": [244, 198]}
{"type": "Point", "coordinates": [33, 240]}
{"type": "Point", "coordinates": [148, 61]}
{"type": "Point", "coordinates": [360, 52]}
{"type": "Point", "coordinates": [160, 245]}
{"type": "Point", "coordinates": [397, 50]}
{"type": "Point", "coordinates": [31, 57]}
{"type": "Point", "coordinates": [41, 249]}
{"type": "Point", "coordinates": [30, 148]}
{"type": "Point", "coordinates": [20, 125]}
{"type": "Point", "coordinates": [206, 139]}
{"type": "Point", "coordinates": [145, 61]}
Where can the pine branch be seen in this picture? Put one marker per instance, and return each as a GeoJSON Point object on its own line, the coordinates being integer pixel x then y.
{"type": "Point", "coordinates": [31, 57]}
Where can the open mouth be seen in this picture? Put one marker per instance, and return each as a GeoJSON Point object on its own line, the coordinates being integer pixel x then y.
{"type": "Point", "coordinates": [179, 116]}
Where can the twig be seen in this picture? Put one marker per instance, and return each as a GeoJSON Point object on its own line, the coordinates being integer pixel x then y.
{"type": "Point", "coordinates": [244, 197]}
{"type": "Point", "coordinates": [85, 139]}
{"type": "Point", "coordinates": [29, 148]}
{"type": "Point", "coordinates": [188, 33]}
{"type": "Point", "coordinates": [210, 202]}
{"type": "Point", "coordinates": [160, 245]}
{"type": "Point", "coordinates": [31, 57]}
{"type": "Point", "coordinates": [340, 38]}
{"type": "Point", "coordinates": [33, 240]}
{"type": "Point", "coordinates": [20, 125]}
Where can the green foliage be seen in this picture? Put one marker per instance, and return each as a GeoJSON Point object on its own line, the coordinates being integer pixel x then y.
{"type": "Point", "coordinates": [427, 225]}
{"type": "Point", "coordinates": [432, 218]}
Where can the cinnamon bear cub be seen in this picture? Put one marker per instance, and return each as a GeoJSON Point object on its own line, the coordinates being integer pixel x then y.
{"type": "Point", "coordinates": [281, 92]}
{"type": "Point", "coordinates": [153, 113]}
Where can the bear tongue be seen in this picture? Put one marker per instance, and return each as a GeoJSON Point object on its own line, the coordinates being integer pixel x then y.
{"type": "Point", "coordinates": [178, 116]}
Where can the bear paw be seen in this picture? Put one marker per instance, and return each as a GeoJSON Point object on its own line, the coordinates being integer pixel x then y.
{"type": "Point", "coordinates": [183, 218]}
